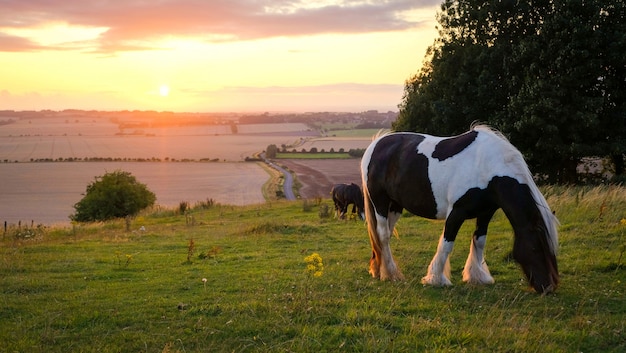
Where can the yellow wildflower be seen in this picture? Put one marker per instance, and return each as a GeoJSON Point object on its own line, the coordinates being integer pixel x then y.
{"type": "Point", "coordinates": [314, 265]}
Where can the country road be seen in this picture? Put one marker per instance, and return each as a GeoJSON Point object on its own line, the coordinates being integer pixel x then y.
{"type": "Point", "coordinates": [316, 176]}
{"type": "Point", "coordinates": [288, 184]}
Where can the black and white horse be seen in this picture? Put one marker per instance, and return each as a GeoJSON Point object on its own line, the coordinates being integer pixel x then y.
{"type": "Point", "coordinates": [345, 195]}
{"type": "Point", "coordinates": [457, 178]}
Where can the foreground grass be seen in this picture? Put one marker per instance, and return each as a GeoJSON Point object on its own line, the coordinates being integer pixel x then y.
{"type": "Point", "coordinates": [99, 288]}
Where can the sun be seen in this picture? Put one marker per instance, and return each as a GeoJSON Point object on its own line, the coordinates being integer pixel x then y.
{"type": "Point", "coordinates": [164, 90]}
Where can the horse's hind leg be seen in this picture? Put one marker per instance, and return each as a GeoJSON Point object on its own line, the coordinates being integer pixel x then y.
{"type": "Point", "coordinates": [384, 266]}
{"type": "Point", "coordinates": [476, 270]}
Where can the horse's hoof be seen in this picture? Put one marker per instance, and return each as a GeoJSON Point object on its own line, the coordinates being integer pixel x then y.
{"type": "Point", "coordinates": [436, 281]}
{"type": "Point", "coordinates": [398, 276]}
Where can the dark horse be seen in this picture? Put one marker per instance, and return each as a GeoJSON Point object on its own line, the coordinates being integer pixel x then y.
{"type": "Point", "coordinates": [345, 195]}
{"type": "Point", "coordinates": [457, 178]}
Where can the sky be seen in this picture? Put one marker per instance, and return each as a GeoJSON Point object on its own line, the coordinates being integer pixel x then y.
{"type": "Point", "coordinates": [211, 55]}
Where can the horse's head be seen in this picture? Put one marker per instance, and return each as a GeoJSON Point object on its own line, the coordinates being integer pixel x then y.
{"type": "Point", "coordinates": [532, 251]}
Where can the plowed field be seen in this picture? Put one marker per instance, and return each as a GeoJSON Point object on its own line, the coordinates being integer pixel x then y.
{"type": "Point", "coordinates": [318, 176]}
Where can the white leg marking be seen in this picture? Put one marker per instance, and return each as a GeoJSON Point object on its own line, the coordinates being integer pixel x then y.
{"type": "Point", "coordinates": [476, 270]}
{"type": "Point", "coordinates": [388, 268]}
{"type": "Point", "coordinates": [439, 268]}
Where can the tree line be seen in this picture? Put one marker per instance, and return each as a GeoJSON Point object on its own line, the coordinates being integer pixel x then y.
{"type": "Point", "coordinates": [272, 151]}
{"type": "Point", "coordinates": [549, 74]}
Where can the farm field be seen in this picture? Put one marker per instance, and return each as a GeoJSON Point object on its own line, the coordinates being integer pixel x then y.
{"type": "Point", "coordinates": [317, 176]}
{"type": "Point", "coordinates": [170, 143]}
{"type": "Point", "coordinates": [45, 192]}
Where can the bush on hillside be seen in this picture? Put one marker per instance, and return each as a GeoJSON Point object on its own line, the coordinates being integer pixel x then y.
{"type": "Point", "coordinates": [114, 195]}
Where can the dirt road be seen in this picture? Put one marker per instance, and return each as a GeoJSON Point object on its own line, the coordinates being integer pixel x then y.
{"type": "Point", "coordinates": [318, 176]}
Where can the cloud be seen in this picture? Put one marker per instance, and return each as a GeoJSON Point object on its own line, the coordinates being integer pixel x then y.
{"type": "Point", "coordinates": [15, 43]}
{"type": "Point", "coordinates": [137, 24]}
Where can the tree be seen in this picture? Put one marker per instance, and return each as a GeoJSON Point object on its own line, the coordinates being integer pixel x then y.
{"type": "Point", "coordinates": [114, 195]}
{"type": "Point", "coordinates": [546, 73]}
{"type": "Point", "coordinates": [271, 151]}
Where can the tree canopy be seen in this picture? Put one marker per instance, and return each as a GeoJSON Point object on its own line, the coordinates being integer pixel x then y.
{"type": "Point", "coordinates": [549, 74]}
{"type": "Point", "coordinates": [114, 195]}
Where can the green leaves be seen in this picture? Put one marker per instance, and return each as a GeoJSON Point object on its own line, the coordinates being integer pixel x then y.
{"type": "Point", "coordinates": [113, 195]}
{"type": "Point", "coordinates": [545, 73]}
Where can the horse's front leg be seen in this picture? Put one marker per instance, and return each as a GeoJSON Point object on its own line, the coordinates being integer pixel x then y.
{"type": "Point", "coordinates": [476, 270]}
{"type": "Point", "coordinates": [439, 268]}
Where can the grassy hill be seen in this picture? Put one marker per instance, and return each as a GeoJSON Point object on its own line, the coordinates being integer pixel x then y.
{"type": "Point", "coordinates": [227, 279]}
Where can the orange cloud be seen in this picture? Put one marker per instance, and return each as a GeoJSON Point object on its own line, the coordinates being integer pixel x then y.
{"type": "Point", "coordinates": [138, 25]}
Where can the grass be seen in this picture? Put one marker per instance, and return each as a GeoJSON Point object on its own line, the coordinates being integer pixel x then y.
{"type": "Point", "coordinates": [99, 288]}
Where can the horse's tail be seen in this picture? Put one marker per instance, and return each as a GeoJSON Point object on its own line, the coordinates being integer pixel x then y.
{"type": "Point", "coordinates": [372, 225]}
{"type": "Point", "coordinates": [370, 216]}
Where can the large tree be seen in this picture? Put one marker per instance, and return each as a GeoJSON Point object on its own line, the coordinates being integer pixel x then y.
{"type": "Point", "coordinates": [549, 74]}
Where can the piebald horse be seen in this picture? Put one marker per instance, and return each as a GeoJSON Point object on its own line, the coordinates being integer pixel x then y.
{"type": "Point", "coordinates": [457, 178]}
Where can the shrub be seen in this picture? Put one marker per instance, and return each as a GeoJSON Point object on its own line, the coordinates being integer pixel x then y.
{"type": "Point", "coordinates": [183, 206]}
{"type": "Point", "coordinates": [114, 195]}
{"type": "Point", "coordinates": [324, 211]}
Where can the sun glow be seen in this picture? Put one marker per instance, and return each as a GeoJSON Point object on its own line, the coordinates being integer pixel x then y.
{"type": "Point", "coordinates": [117, 64]}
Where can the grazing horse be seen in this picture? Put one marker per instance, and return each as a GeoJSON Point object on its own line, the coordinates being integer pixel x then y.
{"type": "Point", "coordinates": [346, 194]}
{"type": "Point", "coordinates": [457, 178]}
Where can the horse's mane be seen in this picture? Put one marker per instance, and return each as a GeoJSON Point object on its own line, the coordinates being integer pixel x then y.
{"type": "Point", "coordinates": [515, 157]}
{"type": "Point", "coordinates": [478, 126]}
{"type": "Point", "coordinates": [380, 133]}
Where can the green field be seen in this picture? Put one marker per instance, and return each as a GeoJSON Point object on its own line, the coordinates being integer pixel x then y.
{"type": "Point", "coordinates": [98, 288]}
{"type": "Point", "coordinates": [317, 155]}
{"type": "Point", "coordinates": [367, 133]}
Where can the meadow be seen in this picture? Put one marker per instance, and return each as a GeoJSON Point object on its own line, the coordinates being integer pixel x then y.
{"type": "Point", "coordinates": [234, 279]}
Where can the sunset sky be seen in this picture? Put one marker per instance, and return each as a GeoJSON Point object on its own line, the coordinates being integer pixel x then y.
{"type": "Point", "coordinates": [211, 55]}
